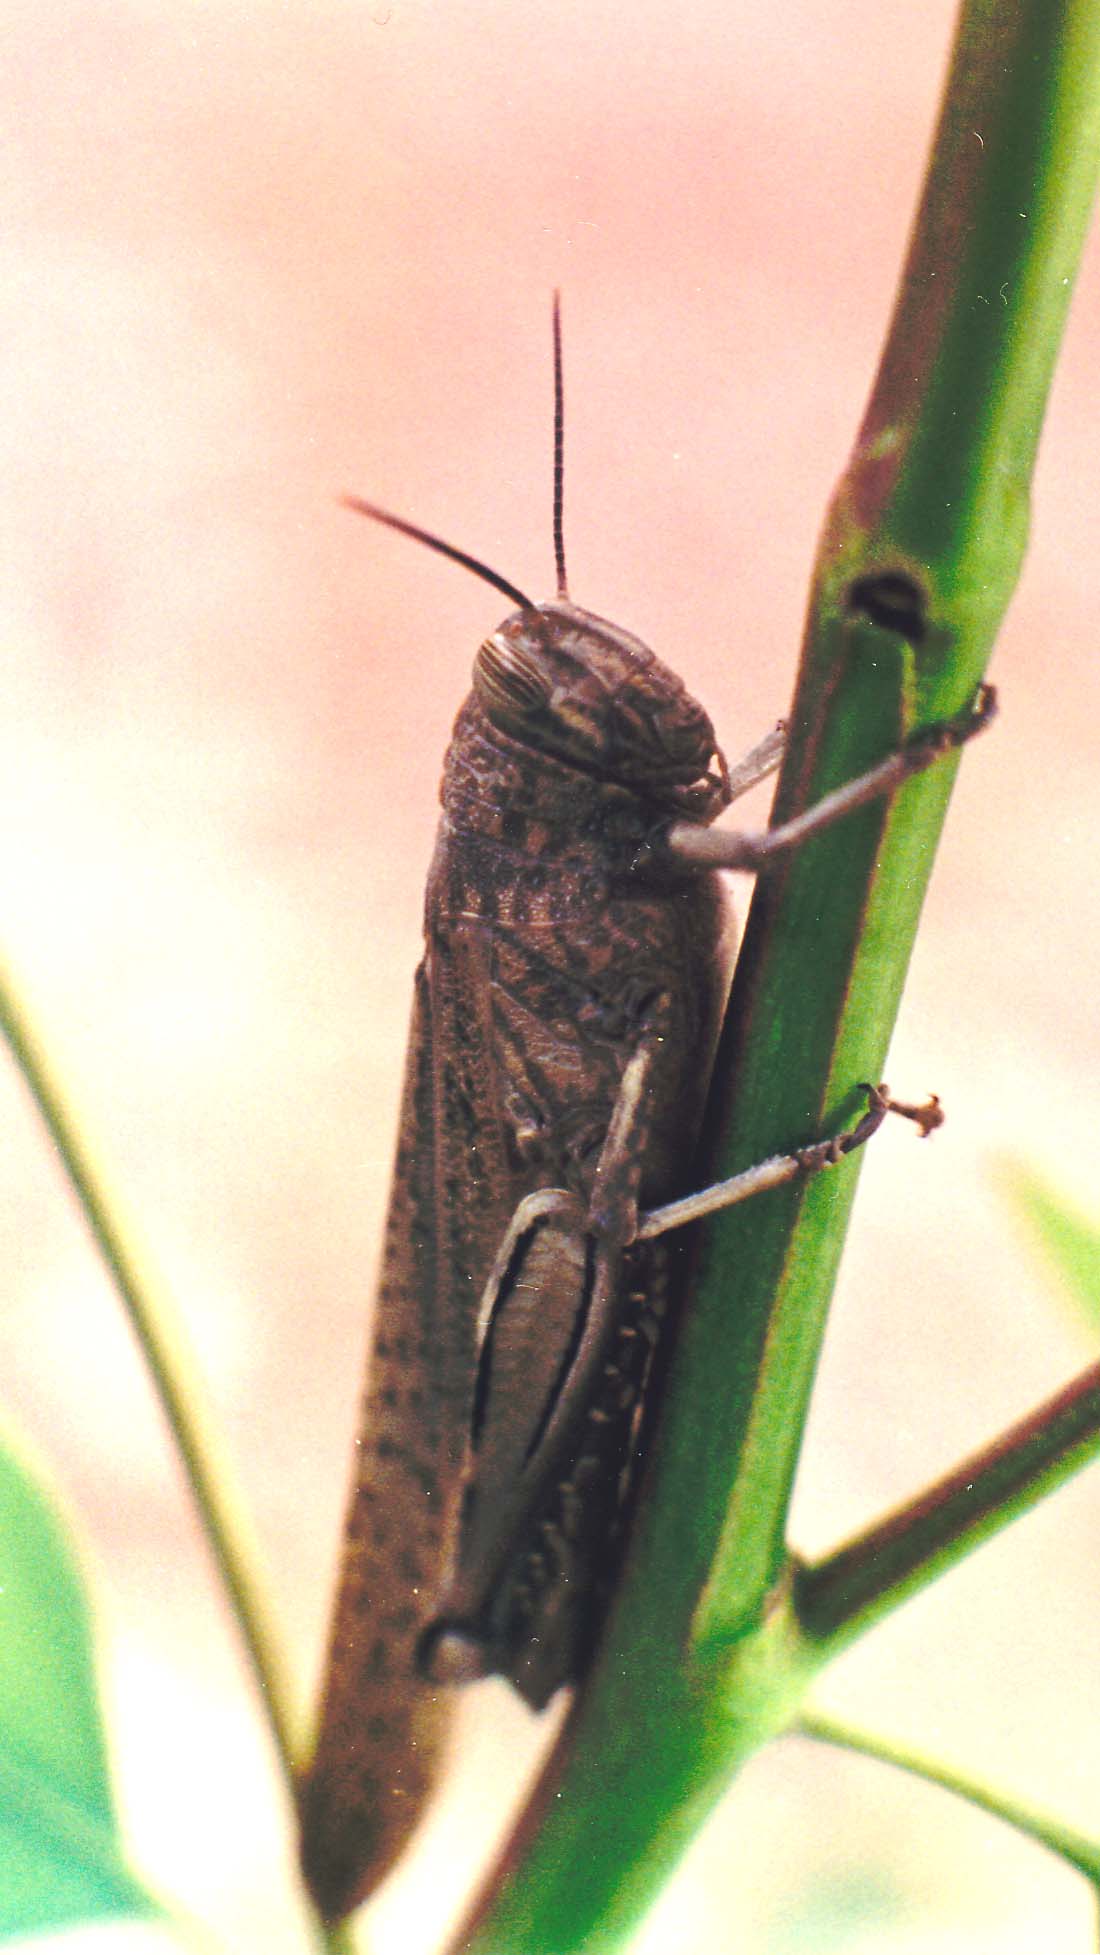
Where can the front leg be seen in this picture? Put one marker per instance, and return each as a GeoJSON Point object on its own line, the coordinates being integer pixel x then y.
{"type": "Point", "coordinates": [692, 847]}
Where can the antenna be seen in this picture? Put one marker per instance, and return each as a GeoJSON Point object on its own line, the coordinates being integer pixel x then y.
{"type": "Point", "coordinates": [559, 453]}
{"type": "Point", "coordinates": [425, 536]}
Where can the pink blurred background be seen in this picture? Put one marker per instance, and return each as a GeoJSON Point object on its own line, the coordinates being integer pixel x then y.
{"type": "Point", "coordinates": [259, 254]}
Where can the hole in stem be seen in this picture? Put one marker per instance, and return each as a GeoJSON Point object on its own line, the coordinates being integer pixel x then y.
{"type": "Point", "coordinates": [892, 600]}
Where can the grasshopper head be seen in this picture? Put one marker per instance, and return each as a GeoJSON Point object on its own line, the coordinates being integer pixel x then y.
{"type": "Point", "coordinates": [568, 683]}
{"type": "Point", "coordinates": [571, 684]}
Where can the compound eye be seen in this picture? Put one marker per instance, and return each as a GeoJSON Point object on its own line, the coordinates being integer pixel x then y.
{"type": "Point", "coordinates": [510, 676]}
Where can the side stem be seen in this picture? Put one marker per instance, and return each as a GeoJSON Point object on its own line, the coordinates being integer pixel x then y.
{"type": "Point", "coordinates": [159, 1331]}
{"type": "Point", "coordinates": [838, 1598]}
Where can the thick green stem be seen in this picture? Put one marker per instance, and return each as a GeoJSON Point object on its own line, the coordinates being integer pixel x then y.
{"type": "Point", "coordinates": [918, 562]}
{"type": "Point", "coordinates": [925, 535]}
{"type": "Point", "coordinates": [228, 1530]}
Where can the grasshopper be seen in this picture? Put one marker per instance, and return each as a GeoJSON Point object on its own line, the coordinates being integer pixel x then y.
{"type": "Point", "coordinates": [578, 954]}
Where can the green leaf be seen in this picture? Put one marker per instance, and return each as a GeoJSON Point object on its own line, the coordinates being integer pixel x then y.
{"type": "Point", "coordinates": [1070, 1241]}
{"type": "Point", "coordinates": [60, 1855]}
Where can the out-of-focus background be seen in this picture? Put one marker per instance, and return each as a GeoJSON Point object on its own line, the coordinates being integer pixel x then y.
{"type": "Point", "coordinates": [259, 254]}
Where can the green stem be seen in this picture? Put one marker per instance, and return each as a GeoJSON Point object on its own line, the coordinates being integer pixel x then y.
{"type": "Point", "coordinates": [925, 536]}
{"type": "Point", "coordinates": [175, 1378]}
{"type": "Point", "coordinates": [840, 1597]}
{"type": "Point", "coordinates": [338, 1938]}
{"type": "Point", "coordinates": [918, 561]}
{"type": "Point", "coordinates": [1081, 1851]}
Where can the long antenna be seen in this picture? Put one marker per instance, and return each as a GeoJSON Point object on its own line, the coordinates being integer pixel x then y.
{"type": "Point", "coordinates": [419, 535]}
{"type": "Point", "coordinates": [559, 454]}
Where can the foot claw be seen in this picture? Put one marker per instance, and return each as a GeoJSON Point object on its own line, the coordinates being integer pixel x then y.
{"type": "Point", "coordinates": [927, 1117]}
{"type": "Point", "coordinates": [984, 708]}
{"type": "Point", "coordinates": [947, 734]}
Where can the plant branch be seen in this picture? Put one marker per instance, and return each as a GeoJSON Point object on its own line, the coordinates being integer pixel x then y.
{"type": "Point", "coordinates": [160, 1335]}
{"type": "Point", "coordinates": [337, 1937]}
{"type": "Point", "coordinates": [1047, 1830]}
{"type": "Point", "coordinates": [838, 1598]}
{"type": "Point", "coordinates": [918, 561]}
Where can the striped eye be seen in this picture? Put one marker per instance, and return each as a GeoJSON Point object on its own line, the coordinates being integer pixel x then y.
{"type": "Point", "coordinates": [509, 675]}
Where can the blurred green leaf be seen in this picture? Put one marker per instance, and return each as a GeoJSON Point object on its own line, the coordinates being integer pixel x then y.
{"type": "Point", "coordinates": [60, 1855]}
{"type": "Point", "coordinates": [1069, 1240]}
{"type": "Point", "coordinates": [836, 1912]}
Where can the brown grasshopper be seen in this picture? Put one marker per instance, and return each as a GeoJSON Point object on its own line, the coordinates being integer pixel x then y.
{"type": "Point", "coordinates": [578, 953]}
